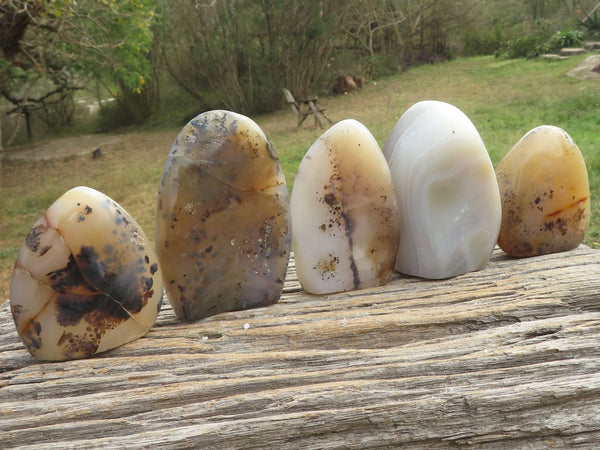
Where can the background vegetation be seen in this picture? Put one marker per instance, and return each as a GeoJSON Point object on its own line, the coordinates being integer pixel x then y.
{"type": "Point", "coordinates": [162, 61]}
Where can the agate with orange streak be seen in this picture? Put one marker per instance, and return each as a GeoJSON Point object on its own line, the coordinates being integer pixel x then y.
{"type": "Point", "coordinates": [545, 194]}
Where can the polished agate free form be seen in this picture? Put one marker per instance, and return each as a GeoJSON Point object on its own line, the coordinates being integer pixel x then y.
{"type": "Point", "coordinates": [446, 191]}
{"type": "Point", "coordinates": [545, 193]}
{"type": "Point", "coordinates": [344, 215]}
{"type": "Point", "coordinates": [86, 279]}
{"type": "Point", "coordinates": [222, 228]}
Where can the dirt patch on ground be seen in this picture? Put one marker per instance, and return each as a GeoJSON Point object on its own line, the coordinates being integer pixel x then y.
{"type": "Point", "coordinates": [68, 162]}
{"type": "Point", "coordinates": [584, 71]}
{"type": "Point", "coordinates": [61, 148]}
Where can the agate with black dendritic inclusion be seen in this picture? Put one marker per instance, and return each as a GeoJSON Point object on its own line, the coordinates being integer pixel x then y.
{"type": "Point", "coordinates": [86, 279]}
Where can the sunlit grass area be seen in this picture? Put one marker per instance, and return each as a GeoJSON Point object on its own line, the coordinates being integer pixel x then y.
{"type": "Point", "coordinates": [503, 98]}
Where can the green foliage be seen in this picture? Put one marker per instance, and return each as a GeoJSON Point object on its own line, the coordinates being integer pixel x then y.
{"type": "Point", "coordinates": [523, 29]}
{"type": "Point", "coordinates": [238, 54]}
{"type": "Point", "coordinates": [562, 39]}
{"type": "Point", "coordinates": [50, 49]}
{"type": "Point", "coordinates": [537, 44]}
{"type": "Point", "coordinates": [378, 65]}
{"type": "Point", "coordinates": [485, 42]}
{"type": "Point", "coordinates": [523, 47]}
{"type": "Point", "coordinates": [241, 61]}
{"type": "Point", "coordinates": [528, 42]}
{"type": "Point", "coordinates": [110, 39]}
{"type": "Point", "coordinates": [591, 23]}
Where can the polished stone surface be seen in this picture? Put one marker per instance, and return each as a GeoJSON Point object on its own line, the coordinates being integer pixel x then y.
{"type": "Point", "coordinates": [446, 192]}
{"type": "Point", "coordinates": [86, 280]}
{"type": "Point", "coordinates": [545, 193]}
{"type": "Point", "coordinates": [222, 228]}
{"type": "Point", "coordinates": [344, 215]}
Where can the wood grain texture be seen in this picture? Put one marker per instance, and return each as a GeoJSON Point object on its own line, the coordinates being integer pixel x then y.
{"type": "Point", "coordinates": [508, 356]}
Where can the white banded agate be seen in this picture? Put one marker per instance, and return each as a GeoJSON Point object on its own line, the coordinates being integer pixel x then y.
{"type": "Point", "coordinates": [446, 192]}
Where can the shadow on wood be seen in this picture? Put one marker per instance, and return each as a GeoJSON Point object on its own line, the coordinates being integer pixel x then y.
{"type": "Point", "coordinates": [503, 358]}
{"type": "Point", "coordinates": [304, 107]}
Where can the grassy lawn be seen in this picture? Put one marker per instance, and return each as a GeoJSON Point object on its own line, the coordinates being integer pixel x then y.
{"type": "Point", "coordinates": [503, 98]}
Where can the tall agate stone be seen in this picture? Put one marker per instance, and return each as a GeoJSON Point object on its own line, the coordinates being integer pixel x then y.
{"type": "Point", "coordinates": [545, 194]}
{"type": "Point", "coordinates": [446, 191]}
{"type": "Point", "coordinates": [344, 216]}
{"type": "Point", "coordinates": [222, 227]}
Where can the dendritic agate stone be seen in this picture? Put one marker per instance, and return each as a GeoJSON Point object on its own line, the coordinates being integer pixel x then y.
{"type": "Point", "coordinates": [86, 280]}
{"type": "Point", "coordinates": [446, 192]}
{"type": "Point", "coordinates": [545, 194]}
{"type": "Point", "coordinates": [222, 227]}
{"type": "Point", "coordinates": [344, 215]}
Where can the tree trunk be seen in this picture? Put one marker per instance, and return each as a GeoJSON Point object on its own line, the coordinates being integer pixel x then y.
{"type": "Point", "coordinates": [1, 146]}
{"type": "Point", "coordinates": [505, 358]}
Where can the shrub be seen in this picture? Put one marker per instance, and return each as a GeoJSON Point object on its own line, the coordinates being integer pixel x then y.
{"type": "Point", "coordinates": [129, 107]}
{"type": "Point", "coordinates": [568, 38]}
{"type": "Point", "coordinates": [524, 47]}
{"type": "Point", "coordinates": [484, 43]}
{"type": "Point", "coordinates": [121, 113]}
{"type": "Point", "coordinates": [592, 24]}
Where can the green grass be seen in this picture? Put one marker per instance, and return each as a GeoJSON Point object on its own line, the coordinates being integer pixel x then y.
{"type": "Point", "coordinates": [503, 98]}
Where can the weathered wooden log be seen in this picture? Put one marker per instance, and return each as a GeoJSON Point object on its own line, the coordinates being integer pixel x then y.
{"type": "Point", "coordinates": [508, 356]}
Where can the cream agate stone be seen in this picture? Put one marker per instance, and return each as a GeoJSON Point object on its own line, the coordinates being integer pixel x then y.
{"type": "Point", "coordinates": [446, 191]}
{"type": "Point", "coordinates": [86, 280]}
{"type": "Point", "coordinates": [222, 227]}
{"type": "Point", "coordinates": [344, 216]}
{"type": "Point", "coordinates": [545, 193]}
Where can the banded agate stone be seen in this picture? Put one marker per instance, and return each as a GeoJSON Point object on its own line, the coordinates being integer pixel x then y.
{"type": "Point", "coordinates": [446, 191]}
{"type": "Point", "coordinates": [222, 230]}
